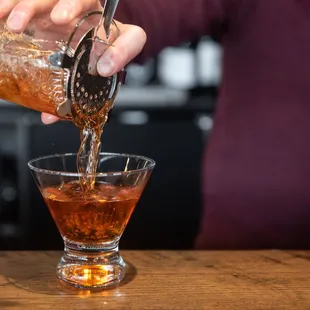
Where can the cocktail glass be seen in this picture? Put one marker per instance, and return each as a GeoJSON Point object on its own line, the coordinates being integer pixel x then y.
{"type": "Point", "coordinates": [91, 222]}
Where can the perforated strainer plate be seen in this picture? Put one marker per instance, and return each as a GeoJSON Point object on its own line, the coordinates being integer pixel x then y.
{"type": "Point", "coordinates": [89, 92]}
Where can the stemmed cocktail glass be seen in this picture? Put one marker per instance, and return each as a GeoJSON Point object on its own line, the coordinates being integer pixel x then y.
{"type": "Point", "coordinates": [91, 222]}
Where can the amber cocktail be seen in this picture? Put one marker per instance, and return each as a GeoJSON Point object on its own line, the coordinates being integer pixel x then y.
{"type": "Point", "coordinates": [91, 222]}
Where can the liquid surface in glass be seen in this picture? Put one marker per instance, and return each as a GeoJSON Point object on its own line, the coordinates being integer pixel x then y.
{"type": "Point", "coordinates": [99, 215]}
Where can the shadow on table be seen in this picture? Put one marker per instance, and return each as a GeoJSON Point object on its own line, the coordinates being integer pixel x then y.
{"type": "Point", "coordinates": [39, 276]}
{"type": "Point", "coordinates": [8, 304]}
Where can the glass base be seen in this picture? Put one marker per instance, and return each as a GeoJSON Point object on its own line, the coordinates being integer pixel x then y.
{"type": "Point", "coordinates": [87, 269]}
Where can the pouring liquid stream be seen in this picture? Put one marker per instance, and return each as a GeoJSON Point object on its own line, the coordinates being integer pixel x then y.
{"type": "Point", "coordinates": [91, 129]}
{"type": "Point", "coordinates": [27, 78]}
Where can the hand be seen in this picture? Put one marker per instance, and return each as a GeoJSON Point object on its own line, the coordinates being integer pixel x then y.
{"type": "Point", "coordinates": [126, 47]}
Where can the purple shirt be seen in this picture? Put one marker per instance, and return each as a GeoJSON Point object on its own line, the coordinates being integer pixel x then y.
{"type": "Point", "coordinates": [257, 165]}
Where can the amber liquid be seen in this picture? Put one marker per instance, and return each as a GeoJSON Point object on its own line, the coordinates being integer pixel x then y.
{"type": "Point", "coordinates": [26, 77]}
{"type": "Point", "coordinates": [92, 217]}
{"type": "Point", "coordinates": [88, 154]}
{"type": "Point", "coordinates": [85, 212]}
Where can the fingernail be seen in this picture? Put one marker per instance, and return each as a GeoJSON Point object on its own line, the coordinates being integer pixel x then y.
{"type": "Point", "coordinates": [50, 119]}
{"type": "Point", "coordinates": [62, 12]}
{"type": "Point", "coordinates": [106, 64]}
{"type": "Point", "coordinates": [16, 20]}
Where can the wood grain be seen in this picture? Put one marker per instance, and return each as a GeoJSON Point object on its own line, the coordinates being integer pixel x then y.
{"type": "Point", "coordinates": [165, 280]}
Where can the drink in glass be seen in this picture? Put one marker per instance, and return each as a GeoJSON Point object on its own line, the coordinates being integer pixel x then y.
{"type": "Point", "coordinates": [91, 222]}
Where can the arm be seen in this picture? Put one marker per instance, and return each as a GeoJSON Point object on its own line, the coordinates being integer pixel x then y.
{"type": "Point", "coordinates": [171, 22]}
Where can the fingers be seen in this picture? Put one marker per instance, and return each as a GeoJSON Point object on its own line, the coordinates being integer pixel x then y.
{"type": "Point", "coordinates": [48, 119]}
{"type": "Point", "coordinates": [23, 11]}
{"type": "Point", "coordinates": [126, 47]}
{"type": "Point", "coordinates": [6, 6]}
{"type": "Point", "coordinates": [20, 12]}
{"type": "Point", "coordinates": [66, 10]}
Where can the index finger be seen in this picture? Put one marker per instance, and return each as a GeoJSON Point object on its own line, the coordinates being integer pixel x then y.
{"type": "Point", "coordinates": [20, 12]}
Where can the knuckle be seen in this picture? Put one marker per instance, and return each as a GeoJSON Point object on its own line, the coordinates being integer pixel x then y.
{"type": "Point", "coordinates": [140, 33]}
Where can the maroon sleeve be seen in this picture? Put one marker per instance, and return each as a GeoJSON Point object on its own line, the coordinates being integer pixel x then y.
{"type": "Point", "coordinates": [170, 22]}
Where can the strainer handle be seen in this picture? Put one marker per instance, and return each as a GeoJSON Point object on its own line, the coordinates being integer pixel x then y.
{"type": "Point", "coordinates": [108, 12]}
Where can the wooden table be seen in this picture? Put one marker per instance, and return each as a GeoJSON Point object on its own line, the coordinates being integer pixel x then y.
{"type": "Point", "coordinates": [165, 280]}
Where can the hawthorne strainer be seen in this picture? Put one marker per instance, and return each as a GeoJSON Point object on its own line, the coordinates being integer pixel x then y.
{"type": "Point", "coordinates": [86, 91]}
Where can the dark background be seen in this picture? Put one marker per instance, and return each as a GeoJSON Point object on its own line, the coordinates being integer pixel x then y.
{"type": "Point", "coordinates": [152, 117]}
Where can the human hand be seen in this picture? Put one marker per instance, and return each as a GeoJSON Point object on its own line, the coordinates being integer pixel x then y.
{"type": "Point", "coordinates": [127, 45]}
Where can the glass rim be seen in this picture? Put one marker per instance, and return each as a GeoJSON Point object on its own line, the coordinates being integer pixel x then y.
{"type": "Point", "coordinates": [98, 174]}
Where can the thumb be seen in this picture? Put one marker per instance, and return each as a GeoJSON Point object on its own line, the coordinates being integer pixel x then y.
{"type": "Point", "coordinates": [126, 47]}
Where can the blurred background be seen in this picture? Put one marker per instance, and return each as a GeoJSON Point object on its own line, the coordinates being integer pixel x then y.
{"type": "Point", "coordinates": [164, 111]}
